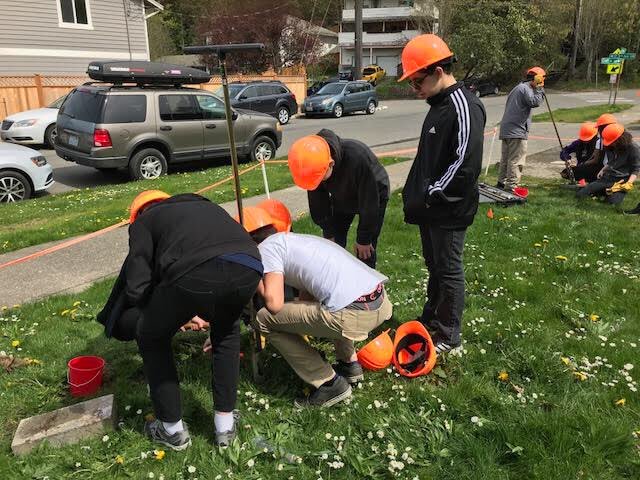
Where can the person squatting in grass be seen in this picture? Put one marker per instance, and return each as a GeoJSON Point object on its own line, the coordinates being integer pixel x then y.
{"type": "Point", "coordinates": [340, 298]}
{"type": "Point", "coordinates": [187, 257]}
{"type": "Point", "coordinates": [583, 148]}
{"type": "Point", "coordinates": [441, 191]}
{"type": "Point", "coordinates": [343, 178]}
{"type": "Point", "coordinates": [514, 127]}
{"type": "Point", "coordinates": [616, 178]}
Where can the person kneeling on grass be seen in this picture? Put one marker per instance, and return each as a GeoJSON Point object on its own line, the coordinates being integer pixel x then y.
{"type": "Point", "coordinates": [616, 178]}
{"type": "Point", "coordinates": [583, 148]}
{"type": "Point", "coordinates": [341, 298]}
{"type": "Point", "coordinates": [187, 258]}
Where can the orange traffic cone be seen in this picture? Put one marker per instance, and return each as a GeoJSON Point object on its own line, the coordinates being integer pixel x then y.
{"type": "Point", "coordinates": [490, 213]}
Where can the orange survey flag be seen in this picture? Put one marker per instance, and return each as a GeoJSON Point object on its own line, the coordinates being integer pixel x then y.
{"type": "Point", "coordinates": [490, 213]}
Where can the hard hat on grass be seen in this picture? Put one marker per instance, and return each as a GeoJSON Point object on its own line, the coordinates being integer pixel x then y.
{"type": "Point", "coordinates": [413, 350]}
{"type": "Point", "coordinates": [279, 213]}
{"type": "Point", "coordinates": [377, 354]}
{"type": "Point", "coordinates": [421, 52]}
{"type": "Point", "coordinates": [309, 159]}
{"type": "Point", "coordinates": [143, 199]}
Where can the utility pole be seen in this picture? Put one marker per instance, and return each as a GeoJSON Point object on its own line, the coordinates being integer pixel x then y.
{"type": "Point", "coordinates": [576, 33]}
{"type": "Point", "coordinates": [358, 41]}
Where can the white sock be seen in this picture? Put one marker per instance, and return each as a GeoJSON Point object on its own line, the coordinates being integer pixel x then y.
{"type": "Point", "coordinates": [173, 427]}
{"type": "Point", "coordinates": [224, 422]}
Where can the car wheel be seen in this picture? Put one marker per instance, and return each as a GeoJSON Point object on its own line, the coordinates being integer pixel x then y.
{"type": "Point", "coordinates": [371, 108]}
{"type": "Point", "coordinates": [496, 91]}
{"type": "Point", "coordinates": [374, 83]}
{"type": "Point", "coordinates": [50, 135]}
{"type": "Point", "coordinates": [262, 149]}
{"type": "Point", "coordinates": [14, 186]}
{"type": "Point", "coordinates": [147, 164]}
{"type": "Point", "coordinates": [283, 115]}
{"type": "Point", "coordinates": [338, 111]}
{"type": "Point", "coordinates": [477, 93]}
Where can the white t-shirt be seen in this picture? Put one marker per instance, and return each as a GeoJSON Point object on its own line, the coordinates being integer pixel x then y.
{"type": "Point", "coordinates": [319, 266]}
{"type": "Point", "coordinates": [599, 146]}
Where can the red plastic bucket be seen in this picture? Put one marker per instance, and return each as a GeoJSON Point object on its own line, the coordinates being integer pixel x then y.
{"type": "Point", "coordinates": [522, 192]}
{"type": "Point", "coordinates": [85, 375]}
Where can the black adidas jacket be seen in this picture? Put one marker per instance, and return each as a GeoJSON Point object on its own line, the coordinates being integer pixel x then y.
{"type": "Point", "coordinates": [448, 162]}
{"type": "Point", "coordinates": [172, 237]}
{"type": "Point", "coordinates": [358, 184]}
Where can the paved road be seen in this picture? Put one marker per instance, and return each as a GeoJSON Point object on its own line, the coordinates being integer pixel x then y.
{"type": "Point", "coordinates": [395, 126]}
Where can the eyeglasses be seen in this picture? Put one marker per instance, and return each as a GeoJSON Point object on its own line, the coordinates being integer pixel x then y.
{"type": "Point", "coordinates": [416, 83]}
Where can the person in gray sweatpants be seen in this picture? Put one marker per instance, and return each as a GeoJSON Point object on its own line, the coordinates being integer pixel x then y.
{"type": "Point", "coordinates": [514, 127]}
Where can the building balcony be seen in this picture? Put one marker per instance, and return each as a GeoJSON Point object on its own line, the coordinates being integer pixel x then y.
{"type": "Point", "coordinates": [388, 13]}
{"type": "Point", "coordinates": [347, 39]}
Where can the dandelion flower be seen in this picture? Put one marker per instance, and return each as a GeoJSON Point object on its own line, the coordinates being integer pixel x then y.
{"type": "Point", "coordinates": [75, 304]}
{"type": "Point", "coordinates": [580, 376]}
{"type": "Point", "coordinates": [538, 245]}
{"type": "Point", "coordinates": [621, 402]}
{"type": "Point", "coordinates": [566, 360]}
{"type": "Point", "coordinates": [594, 318]}
{"type": "Point", "coordinates": [159, 454]}
{"type": "Point", "coordinates": [503, 376]}
{"type": "Point", "coordinates": [561, 258]}
{"type": "Point", "coordinates": [15, 343]}
{"type": "Point", "coordinates": [119, 459]}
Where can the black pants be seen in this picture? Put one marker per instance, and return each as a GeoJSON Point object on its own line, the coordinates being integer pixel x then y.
{"type": "Point", "coordinates": [442, 251]}
{"type": "Point", "coordinates": [599, 188]}
{"type": "Point", "coordinates": [217, 291]}
{"type": "Point", "coordinates": [342, 224]}
{"type": "Point", "coordinates": [585, 171]}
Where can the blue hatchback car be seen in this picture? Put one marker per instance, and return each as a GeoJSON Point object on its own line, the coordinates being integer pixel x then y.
{"type": "Point", "coordinates": [342, 97]}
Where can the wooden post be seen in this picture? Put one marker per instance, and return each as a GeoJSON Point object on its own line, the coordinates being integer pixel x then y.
{"type": "Point", "coordinates": [37, 78]}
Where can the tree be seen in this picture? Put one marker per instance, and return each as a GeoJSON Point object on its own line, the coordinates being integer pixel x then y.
{"type": "Point", "coordinates": [592, 30]}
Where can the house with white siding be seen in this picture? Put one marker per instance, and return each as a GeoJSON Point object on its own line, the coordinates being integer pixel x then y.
{"type": "Point", "coordinates": [63, 36]}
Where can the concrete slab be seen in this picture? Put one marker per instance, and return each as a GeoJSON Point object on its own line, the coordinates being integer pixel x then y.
{"type": "Point", "coordinates": [66, 425]}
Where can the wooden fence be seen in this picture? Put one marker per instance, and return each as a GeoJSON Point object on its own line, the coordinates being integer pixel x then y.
{"type": "Point", "coordinates": [19, 93]}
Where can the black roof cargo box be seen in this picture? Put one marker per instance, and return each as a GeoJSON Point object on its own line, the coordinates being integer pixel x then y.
{"type": "Point", "coordinates": [151, 73]}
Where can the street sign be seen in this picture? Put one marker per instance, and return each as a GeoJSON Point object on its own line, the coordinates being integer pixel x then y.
{"type": "Point", "coordinates": [613, 79]}
{"type": "Point", "coordinates": [619, 51]}
{"type": "Point", "coordinates": [610, 61]}
{"type": "Point", "coordinates": [624, 56]}
{"type": "Point", "coordinates": [614, 69]}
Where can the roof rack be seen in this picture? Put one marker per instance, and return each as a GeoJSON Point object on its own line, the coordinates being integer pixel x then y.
{"type": "Point", "coordinates": [145, 73]}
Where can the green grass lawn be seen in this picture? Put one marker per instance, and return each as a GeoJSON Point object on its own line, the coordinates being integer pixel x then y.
{"type": "Point", "coordinates": [580, 114]}
{"type": "Point", "coordinates": [56, 217]}
{"type": "Point", "coordinates": [552, 308]}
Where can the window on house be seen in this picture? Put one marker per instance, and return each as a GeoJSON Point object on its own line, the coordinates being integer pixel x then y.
{"type": "Point", "coordinates": [395, 26]}
{"type": "Point", "coordinates": [372, 27]}
{"type": "Point", "coordinates": [74, 13]}
{"type": "Point", "coordinates": [348, 27]}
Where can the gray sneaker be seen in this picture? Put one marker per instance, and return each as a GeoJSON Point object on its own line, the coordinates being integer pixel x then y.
{"type": "Point", "coordinates": [326, 395]}
{"type": "Point", "coordinates": [178, 441]}
{"type": "Point", "coordinates": [352, 371]}
{"type": "Point", "coordinates": [224, 439]}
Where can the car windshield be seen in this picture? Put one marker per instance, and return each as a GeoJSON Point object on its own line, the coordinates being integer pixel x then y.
{"type": "Point", "coordinates": [331, 89]}
{"type": "Point", "coordinates": [234, 89]}
{"type": "Point", "coordinates": [368, 71]}
{"type": "Point", "coordinates": [57, 103]}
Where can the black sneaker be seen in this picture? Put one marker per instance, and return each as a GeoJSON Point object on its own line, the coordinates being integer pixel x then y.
{"type": "Point", "coordinates": [224, 439]}
{"type": "Point", "coordinates": [500, 185]}
{"type": "Point", "coordinates": [351, 371]}
{"type": "Point", "coordinates": [444, 347]}
{"type": "Point", "coordinates": [633, 211]}
{"type": "Point", "coordinates": [326, 395]}
{"type": "Point", "coordinates": [178, 441]}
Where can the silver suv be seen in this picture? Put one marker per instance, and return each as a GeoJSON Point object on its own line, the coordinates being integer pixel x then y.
{"type": "Point", "coordinates": [146, 128]}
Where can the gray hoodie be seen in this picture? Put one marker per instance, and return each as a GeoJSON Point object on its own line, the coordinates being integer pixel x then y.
{"type": "Point", "coordinates": [517, 112]}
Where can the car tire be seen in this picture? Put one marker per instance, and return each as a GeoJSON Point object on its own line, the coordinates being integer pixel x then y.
{"type": "Point", "coordinates": [496, 91]}
{"type": "Point", "coordinates": [283, 115]}
{"type": "Point", "coordinates": [50, 135]}
{"type": "Point", "coordinates": [14, 186]}
{"type": "Point", "coordinates": [371, 108]}
{"type": "Point", "coordinates": [147, 164]}
{"type": "Point", "coordinates": [262, 148]}
{"type": "Point", "coordinates": [338, 110]}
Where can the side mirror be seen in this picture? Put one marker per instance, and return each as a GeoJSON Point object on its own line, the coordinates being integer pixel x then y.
{"type": "Point", "coordinates": [242, 97]}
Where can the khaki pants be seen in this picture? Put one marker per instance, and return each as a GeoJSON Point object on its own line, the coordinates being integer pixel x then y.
{"type": "Point", "coordinates": [514, 155]}
{"type": "Point", "coordinates": [285, 331]}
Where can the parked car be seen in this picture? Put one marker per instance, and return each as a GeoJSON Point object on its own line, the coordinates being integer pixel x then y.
{"type": "Point", "coordinates": [373, 74]}
{"type": "Point", "coordinates": [315, 86]}
{"type": "Point", "coordinates": [146, 128]}
{"type": "Point", "coordinates": [342, 97]}
{"type": "Point", "coordinates": [345, 72]}
{"type": "Point", "coordinates": [35, 127]}
{"type": "Point", "coordinates": [481, 87]}
{"type": "Point", "coordinates": [272, 98]}
{"type": "Point", "coordinates": [23, 171]}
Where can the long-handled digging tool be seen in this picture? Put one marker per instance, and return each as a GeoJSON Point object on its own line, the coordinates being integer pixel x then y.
{"type": "Point", "coordinates": [567, 163]}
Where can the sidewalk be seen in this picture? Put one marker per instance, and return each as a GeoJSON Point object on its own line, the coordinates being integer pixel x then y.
{"type": "Point", "coordinates": [75, 268]}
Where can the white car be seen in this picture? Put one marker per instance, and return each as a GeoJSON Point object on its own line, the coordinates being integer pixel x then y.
{"type": "Point", "coordinates": [34, 127]}
{"type": "Point", "coordinates": [23, 171]}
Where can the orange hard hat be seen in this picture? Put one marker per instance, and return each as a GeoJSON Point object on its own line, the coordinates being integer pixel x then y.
{"type": "Point", "coordinates": [421, 52]}
{"type": "Point", "coordinates": [279, 213]}
{"type": "Point", "coordinates": [611, 133]}
{"type": "Point", "coordinates": [536, 71]}
{"type": "Point", "coordinates": [377, 354]}
{"type": "Point", "coordinates": [588, 130]}
{"type": "Point", "coordinates": [309, 159]}
{"type": "Point", "coordinates": [413, 350]}
{"type": "Point", "coordinates": [255, 218]}
{"type": "Point", "coordinates": [143, 199]}
{"type": "Point", "coordinates": [605, 119]}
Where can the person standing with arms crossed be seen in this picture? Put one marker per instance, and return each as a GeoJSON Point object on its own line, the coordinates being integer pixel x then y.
{"type": "Point", "coordinates": [441, 191]}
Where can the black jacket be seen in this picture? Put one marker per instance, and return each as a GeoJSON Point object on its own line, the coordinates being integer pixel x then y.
{"type": "Point", "coordinates": [174, 236]}
{"type": "Point", "coordinates": [116, 304]}
{"type": "Point", "coordinates": [358, 184]}
{"type": "Point", "coordinates": [448, 162]}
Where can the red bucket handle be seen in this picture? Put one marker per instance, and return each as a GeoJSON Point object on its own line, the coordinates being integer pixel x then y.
{"type": "Point", "coordinates": [78, 385]}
